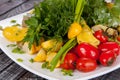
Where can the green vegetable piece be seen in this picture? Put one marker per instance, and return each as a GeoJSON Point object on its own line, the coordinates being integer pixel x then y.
{"type": "Point", "coordinates": [13, 21]}
{"type": "Point", "coordinates": [11, 45]}
{"type": "Point", "coordinates": [31, 60]}
{"type": "Point", "coordinates": [20, 60]}
{"type": "Point", "coordinates": [18, 50]}
{"type": "Point", "coordinates": [68, 45]}
{"type": "Point", "coordinates": [67, 72]}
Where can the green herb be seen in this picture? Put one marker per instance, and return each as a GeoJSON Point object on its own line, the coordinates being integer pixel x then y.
{"type": "Point", "coordinates": [11, 45]}
{"type": "Point", "coordinates": [16, 24]}
{"type": "Point", "coordinates": [97, 12]}
{"type": "Point", "coordinates": [20, 60]}
{"type": "Point", "coordinates": [72, 42]}
{"type": "Point", "coordinates": [67, 72]}
{"type": "Point", "coordinates": [50, 21]}
{"type": "Point", "coordinates": [31, 60]}
{"type": "Point", "coordinates": [1, 28]}
{"type": "Point", "coordinates": [18, 50]}
{"type": "Point", "coordinates": [45, 65]}
{"type": "Point", "coordinates": [13, 21]}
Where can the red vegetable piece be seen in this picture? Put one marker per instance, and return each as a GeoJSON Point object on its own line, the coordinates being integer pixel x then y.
{"type": "Point", "coordinates": [100, 36]}
{"type": "Point", "coordinates": [107, 58]}
{"type": "Point", "coordinates": [110, 46]}
{"type": "Point", "coordinates": [69, 61]}
{"type": "Point", "coordinates": [86, 64]}
{"type": "Point", "coordinates": [88, 51]}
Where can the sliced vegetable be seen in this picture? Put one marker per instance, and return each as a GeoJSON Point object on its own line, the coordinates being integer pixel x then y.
{"type": "Point", "coordinates": [52, 45]}
{"type": "Point", "coordinates": [50, 56]}
{"type": "Point", "coordinates": [63, 50]}
{"type": "Point", "coordinates": [87, 36]}
{"type": "Point", "coordinates": [14, 33]}
{"type": "Point", "coordinates": [41, 56]}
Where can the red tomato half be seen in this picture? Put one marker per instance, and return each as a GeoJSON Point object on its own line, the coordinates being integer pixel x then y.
{"type": "Point", "coordinates": [86, 64]}
{"type": "Point", "coordinates": [88, 51]}
{"type": "Point", "coordinates": [69, 61]}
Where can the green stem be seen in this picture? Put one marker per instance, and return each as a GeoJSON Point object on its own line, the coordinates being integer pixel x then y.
{"type": "Point", "coordinates": [70, 47]}
{"type": "Point", "coordinates": [72, 42]}
{"type": "Point", "coordinates": [60, 53]}
{"type": "Point", "coordinates": [79, 10]}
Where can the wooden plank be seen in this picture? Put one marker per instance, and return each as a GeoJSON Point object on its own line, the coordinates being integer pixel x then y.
{"type": "Point", "coordinates": [20, 9]}
{"type": "Point", "coordinates": [12, 72]}
{"type": "Point", "coordinates": [4, 62]}
{"type": "Point", "coordinates": [30, 76]}
{"type": "Point", "coordinates": [9, 5]}
{"type": "Point", "coordinates": [3, 1]}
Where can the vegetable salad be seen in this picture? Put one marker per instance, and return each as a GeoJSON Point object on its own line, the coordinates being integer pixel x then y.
{"type": "Point", "coordinates": [69, 34]}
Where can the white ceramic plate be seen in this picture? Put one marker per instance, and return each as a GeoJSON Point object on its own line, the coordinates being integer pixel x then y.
{"type": "Point", "coordinates": [36, 67]}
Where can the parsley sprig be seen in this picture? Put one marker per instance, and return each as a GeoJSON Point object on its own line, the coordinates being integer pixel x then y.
{"type": "Point", "coordinates": [50, 21]}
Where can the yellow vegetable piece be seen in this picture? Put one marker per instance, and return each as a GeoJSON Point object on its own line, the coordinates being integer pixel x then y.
{"type": "Point", "coordinates": [41, 56]}
{"type": "Point", "coordinates": [50, 56]}
{"type": "Point", "coordinates": [14, 33]}
{"type": "Point", "coordinates": [74, 30]}
{"type": "Point", "coordinates": [87, 36]}
{"type": "Point", "coordinates": [52, 45]}
{"type": "Point", "coordinates": [110, 5]}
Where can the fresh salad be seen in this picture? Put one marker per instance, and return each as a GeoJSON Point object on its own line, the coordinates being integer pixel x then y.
{"type": "Point", "coordinates": [69, 34]}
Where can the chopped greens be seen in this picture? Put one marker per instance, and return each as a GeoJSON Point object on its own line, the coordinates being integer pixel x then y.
{"type": "Point", "coordinates": [31, 60]}
{"type": "Point", "coordinates": [16, 24]}
{"type": "Point", "coordinates": [13, 21]}
{"type": "Point", "coordinates": [1, 28]}
{"type": "Point", "coordinates": [18, 50]}
{"type": "Point", "coordinates": [11, 45]}
{"type": "Point", "coordinates": [67, 72]}
{"type": "Point", "coordinates": [20, 60]}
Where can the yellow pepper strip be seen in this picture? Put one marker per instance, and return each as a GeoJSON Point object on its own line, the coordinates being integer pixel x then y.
{"type": "Point", "coordinates": [87, 36]}
{"type": "Point", "coordinates": [74, 30]}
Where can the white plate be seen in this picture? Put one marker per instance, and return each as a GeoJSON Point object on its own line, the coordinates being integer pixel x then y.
{"type": "Point", "coordinates": [36, 67]}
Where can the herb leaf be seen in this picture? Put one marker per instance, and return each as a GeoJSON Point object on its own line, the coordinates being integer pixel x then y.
{"type": "Point", "coordinates": [18, 50]}
{"type": "Point", "coordinates": [50, 21]}
{"type": "Point", "coordinates": [20, 60]}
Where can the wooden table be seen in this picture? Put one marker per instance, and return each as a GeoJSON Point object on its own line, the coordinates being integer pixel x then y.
{"type": "Point", "coordinates": [10, 70]}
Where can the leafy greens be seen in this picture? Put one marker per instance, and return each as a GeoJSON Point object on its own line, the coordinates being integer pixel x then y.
{"type": "Point", "coordinates": [52, 20]}
{"type": "Point", "coordinates": [97, 12]}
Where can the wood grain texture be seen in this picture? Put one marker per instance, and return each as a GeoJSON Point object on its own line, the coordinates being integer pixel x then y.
{"type": "Point", "coordinates": [13, 72]}
{"type": "Point", "coordinates": [20, 9]}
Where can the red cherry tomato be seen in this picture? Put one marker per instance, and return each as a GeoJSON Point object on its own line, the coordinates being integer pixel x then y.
{"type": "Point", "coordinates": [110, 46]}
{"type": "Point", "coordinates": [107, 58]}
{"type": "Point", "coordinates": [87, 50]}
{"type": "Point", "coordinates": [118, 38]}
{"type": "Point", "coordinates": [69, 61]}
{"type": "Point", "coordinates": [100, 36]}
{"type": "Point", "coordinates": [86, 64]}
